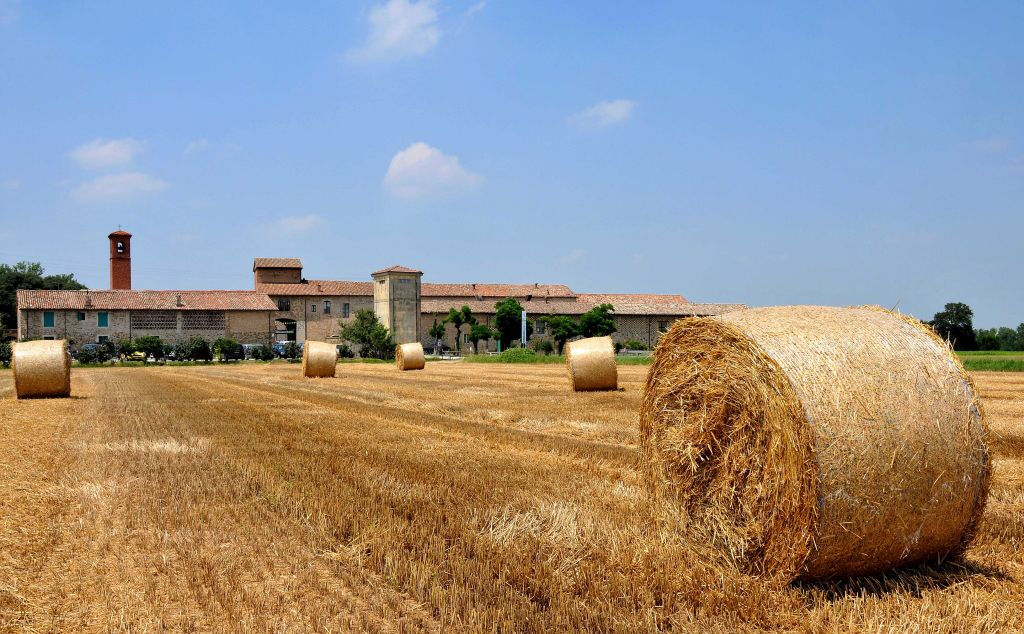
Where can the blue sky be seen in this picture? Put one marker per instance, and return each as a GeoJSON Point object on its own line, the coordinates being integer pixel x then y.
{"type": "Point", "coordinates": [776, 153]}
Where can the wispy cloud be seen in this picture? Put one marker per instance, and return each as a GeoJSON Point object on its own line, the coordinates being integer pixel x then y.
{"type": "Point", "coordinates": [296, 225]}
{"type": "Point", "coordinates": [9, 10]}
{"type": "Point", "coordinates": [476, 8]}
{"type": "Point", "coordinates": [399, 28]}
{"type": "Point", "coordinates": [992, 144]}
{"type": "Point", "coordinates": [102, 153]}
{"type": "Point", "coordinates": [604, 114]}
{"type": "Point", "coordinates": [422, 171]}
{"type": "Point", "coordinates": [117, 187]}
{"type": "Point", "coordinates": [196, 146]}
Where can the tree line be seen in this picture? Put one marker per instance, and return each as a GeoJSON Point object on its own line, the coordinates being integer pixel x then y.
{"type": "Point", "coordinates": [955, 323]}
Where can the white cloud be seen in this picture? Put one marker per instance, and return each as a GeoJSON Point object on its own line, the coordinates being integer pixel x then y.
{"type": "Point", "coordinates": [196, 146]}
{"type": "Point", "coordinates": [117, 187]}
{"type": "Point", "coordinates": [604, 114]}
{"type": "Point", "coordinates": [476, 8]}
{"type": "Point", "coordinates": [399, 29]}
{"type": "Point", "coordinates": [421, 171]}
{"type": "Point", "coordinates": [295, 225]}
{"type": "Point", "coordinates": [101, 153]}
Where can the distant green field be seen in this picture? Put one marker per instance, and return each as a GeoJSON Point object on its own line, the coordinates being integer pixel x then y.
{"type": "Point", "coordinates": [993, 361]}
{"type": "Point", "coordinates": [551, 358]}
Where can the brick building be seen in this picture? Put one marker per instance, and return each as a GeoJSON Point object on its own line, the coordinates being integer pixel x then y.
{"type": "Point", "coordinates": [285, 306]}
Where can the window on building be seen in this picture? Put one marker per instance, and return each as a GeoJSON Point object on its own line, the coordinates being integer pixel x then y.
{"type": "Point", "coordinates": [327, 307]}
{"type": "Point", "coordinates": [48, 338]}
{"type": "Point", "coordinates": [48, 319]}
{"type": "Point", "coordinates": [102, 320]}
{"type": "Point", "coordinates": [345, 309]}
{"type": "Point", "coordinates": [102, 339]}
{"type": "Point", "coordinates": [120, 246]}
{"type": "Point", "coordinates": [312, 307]}
{"type": "Point", "coordinates": [80, 316]}
{"type": "Point", "coordinates": [538, 326]}
{"type": "Point", "coordinates": [662, 326]}
{"type": "Point", "coordinates": [283, 303]}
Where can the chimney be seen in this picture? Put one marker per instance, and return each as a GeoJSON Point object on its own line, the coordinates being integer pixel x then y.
{"type": "Point", "coordinates": [179, 302]}
{"type": "Point", "coordinates": [88, 300]}
{"type": "Point", "coordinates": [120, 260]}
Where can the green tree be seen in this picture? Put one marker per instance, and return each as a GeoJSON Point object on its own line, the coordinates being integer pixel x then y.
{"type": "Point", "coordinates": [29, 276]}
{"type": "Point", "coordinates": [150, 346]}
{"type": "Point", "coordinates": [373, 337]}
{"type": "Point", "coordinates": [955, 325]}
{"type": "Point", "coordinates": [458, 318]}
{"type": "Point", "coordinates": [5, 354]}
{"type": "Point", "coordinates": [125, 348]}
{"type": "Point", "coordinates": [478, 333]}
{"type": "Point", "coordinates": [226, 348]}
{"type": "Point", "coordinates": [598, 321]}
{"type": "Point", "coordinates": [986, 339]}
{"type": "Point", "coordinates": [562, 329]}
{"type": "Point", "coordinates": [437, 332]}
{"type": "Point", "coordinates": [507, 321]}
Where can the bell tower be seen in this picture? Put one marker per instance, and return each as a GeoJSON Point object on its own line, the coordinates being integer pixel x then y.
{"type": "Point", "coordinates": [120, 260]}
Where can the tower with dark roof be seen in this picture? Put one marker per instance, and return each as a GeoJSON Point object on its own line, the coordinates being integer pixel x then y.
{"type": "Point", "coordinates": [120, 260]}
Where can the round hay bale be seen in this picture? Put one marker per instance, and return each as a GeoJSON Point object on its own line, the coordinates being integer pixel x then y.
{"type": "Point", "coordinates": [409, 356]}
{"type": "Point", "coordinates": [591, 364]}
{"type": "Point", "coordinates": [816, 442]}
{"type": "Point", "coordinates": [42, 369]}
{"type": "Point", "coordinates": [319, 359]}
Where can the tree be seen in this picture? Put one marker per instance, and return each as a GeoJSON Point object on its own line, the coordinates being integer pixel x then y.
{"type": "Point", "coordinates": [27, 275]}
{"type": "Point", "coordinates": [125, 348]}
{"type": "Point", "coordinates": [150, 346]}
{"type": "Point", "coordinates": [478, 333]}
{"type": "Point", "coordinates": [954, 324]}
{"type": "Point", "coordinates": [562, 329]}
{"type": "Point", "coordinates": [5, 354]}
{"type": "Point", "coordinates": [986, 339]}
{"type": "Point", "coordinates": [226, 348]}
{"type": "Point", "coordinates": [373, 337]}
{"type": "Point", "coordinates": [437, 332]}
{"type": "Point", "coordinates": [597, 322]}
{"type": "Point", "coordinates": [508, 320]}
{"type": "Point", "coordinates": [458, 318]}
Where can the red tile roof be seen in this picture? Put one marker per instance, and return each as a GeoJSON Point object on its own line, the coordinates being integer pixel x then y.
{"type": "Point", "coordinates": [667, 305]}
{"type": "Point", "coordinates": [119, 232]}
{"type": "Point", "coordinates": [498, 291]}
{"type": "Point", "coordinates": [143, 300]}
{"type": "Point", "coordinates": [276, 263]}
{"type": "Point", "coordinates": [318, 287]}
{"type": "Point", "coordinates": [397, 269]}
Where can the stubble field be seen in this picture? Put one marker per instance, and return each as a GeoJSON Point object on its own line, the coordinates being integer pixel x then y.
{"type": "Point", "coordinates": [463, 497]}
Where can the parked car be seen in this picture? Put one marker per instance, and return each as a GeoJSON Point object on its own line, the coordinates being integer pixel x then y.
{"type": "Point", "coordinates": [279, 348]}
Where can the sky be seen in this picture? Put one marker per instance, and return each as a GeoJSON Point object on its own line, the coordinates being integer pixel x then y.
{"type": "Point", "coordinates": [764, 153]}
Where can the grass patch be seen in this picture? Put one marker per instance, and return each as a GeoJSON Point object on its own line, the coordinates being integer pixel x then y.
{"type": "Point", "coordinates": [976, 364]}
{"type": "Point", "coordinates": [550, 358]}
{"type": "Point", "coordinates": [366, 360]}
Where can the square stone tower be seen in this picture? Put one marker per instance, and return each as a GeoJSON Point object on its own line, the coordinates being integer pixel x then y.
{"type": "Point", "coordinates": [396, 301]}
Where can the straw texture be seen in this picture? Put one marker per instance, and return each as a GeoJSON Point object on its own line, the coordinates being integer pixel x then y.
{"type": "Point", "coordinates": [816, 442]}
{"type": "Point", "coordinates": [591, 364]}
{"type": "Point", "coordinates": [409, 356]}
{"type": "Point", "coordinates": [319, 359]}
{"type": "Point", "coordinates": [42, 369]}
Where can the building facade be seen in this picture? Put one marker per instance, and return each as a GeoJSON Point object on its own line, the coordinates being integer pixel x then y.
{"type": "Point", "coordinates": [285, 306]}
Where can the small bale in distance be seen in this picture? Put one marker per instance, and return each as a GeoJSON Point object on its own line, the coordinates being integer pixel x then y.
{"type": "Point", "coordinates": [409, 356]}
{"type": "Point", "coordinates": [42, 369]}
{"type": "Point", "coordinates": [591, 364]}
{"type": "Point", "coordinates": [319, 359]}
{"type": "Point", "coordinates": [815, 442]}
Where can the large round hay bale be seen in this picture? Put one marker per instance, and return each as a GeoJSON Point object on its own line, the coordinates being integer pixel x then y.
{"type": "Point", "coordinates": [42, 369]}
{"type": "Point", "coordinates": [816, 442]}
{"type": "Point", "coordinates": [319, 359]}
{"type": "Point", "coordinates": [409, 356]}
{"type": "Point", "coordinates": [591, 364]}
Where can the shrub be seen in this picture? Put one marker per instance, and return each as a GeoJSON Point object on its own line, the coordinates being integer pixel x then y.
{"type": "Point", "coordinates": [124, 348]}
{"type": "Point", "coordinates": [345, 352]}
{"type": "Point", "coordinates": [150, 346]}
{"type": "Point", "coordinates": [517, 355]}
{"type": "Point", "coordinates": [633, 344]}
{"type": "Point", "coordinates": [618, 347]}
{"type": "Point", "coordinates": [261, 353]}
{"type": "Point", "coordinates": [88, 354]}
{"type": "Point", "coordinates": [226, 348]}
{"type": "Point", "coordinates": [193, 349]}
{"type": "Point", "coordinates": [544, 346]}
{"type": "Point", "coordinates": [292, 350]}
{"type": "Point", "coordinates": [5, 354]}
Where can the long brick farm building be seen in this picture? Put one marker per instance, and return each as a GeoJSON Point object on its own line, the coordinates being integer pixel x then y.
{"type": "Point", "coordinates": [285, 306]}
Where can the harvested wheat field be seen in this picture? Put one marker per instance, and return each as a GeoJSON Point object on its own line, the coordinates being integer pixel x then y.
{"type": "Point", "coordinates": [462, 497]}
